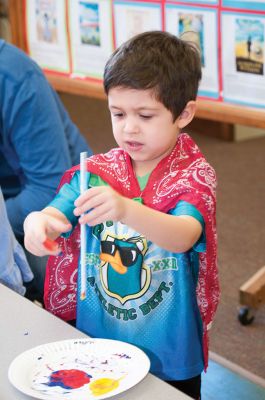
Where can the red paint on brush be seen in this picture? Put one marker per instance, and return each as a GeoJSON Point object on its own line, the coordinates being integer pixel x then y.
{"type": "Point", "coordinates": [50, 245]}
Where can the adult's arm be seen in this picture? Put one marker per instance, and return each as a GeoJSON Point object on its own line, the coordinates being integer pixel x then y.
{"type": "Point", "coordinates": [39, 148]}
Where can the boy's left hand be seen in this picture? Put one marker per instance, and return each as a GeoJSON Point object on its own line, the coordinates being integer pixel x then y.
{"type": "Point", "coordinates": [102, 203]}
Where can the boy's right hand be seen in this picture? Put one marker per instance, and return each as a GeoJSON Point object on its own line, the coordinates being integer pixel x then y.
{"type": "Point", "coordinates": [40, 231]}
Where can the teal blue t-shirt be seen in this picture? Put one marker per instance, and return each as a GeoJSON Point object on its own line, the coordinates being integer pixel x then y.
{"type": "Point", "coordinates": [140, 293]}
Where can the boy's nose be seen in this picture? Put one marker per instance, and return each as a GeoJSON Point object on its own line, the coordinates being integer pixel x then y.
{"type": "Point", "coordinates": [130, 126]}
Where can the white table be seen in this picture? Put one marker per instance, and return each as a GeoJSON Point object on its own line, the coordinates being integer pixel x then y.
{"type": "Point", "coordinates": [25, 325]}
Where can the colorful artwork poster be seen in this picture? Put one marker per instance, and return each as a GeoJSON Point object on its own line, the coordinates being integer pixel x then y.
{"type": "Point", "coordinates": [46, 21]}
{"type": "Point", "coordinates": [202, 22]}
{"type": "Point", "coordinates": [249, 45]}
{"type": "Point", "coordinates": [243, 58]}
{"type": "Point", "coordinates": [191, 22]}
{"type": "Point", "coordinates": [257, 5]}
{"type": "Point", "coordinates": [46, 34]}
{"type": "Point", "coordinates": [132, 18]}
{"type": "Point", "coordinates": [90, 24]}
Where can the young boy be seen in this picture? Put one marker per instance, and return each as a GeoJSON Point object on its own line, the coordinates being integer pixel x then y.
{"type": "Point", "coordinates": [150, 215]}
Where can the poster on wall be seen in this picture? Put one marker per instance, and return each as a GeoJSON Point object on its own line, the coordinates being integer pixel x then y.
{"type": "Point", "coordinates": [258, 5]}
{"type": "Point", "coordinates": [91, 36]}
{"type": "Point", "coordinates": [203, 21]}
{"type": "Point", "coordinates": [46, 34]}
{"type": "Point", "coordinates": [243, 39]}
{"type": "Point", "coordinates": [131, 18]}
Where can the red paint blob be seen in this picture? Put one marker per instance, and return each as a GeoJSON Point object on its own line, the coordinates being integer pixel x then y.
{"type": "Point", "coordinates": [69, 378]}
{"type": "Point", "coordinates": [50, 245]}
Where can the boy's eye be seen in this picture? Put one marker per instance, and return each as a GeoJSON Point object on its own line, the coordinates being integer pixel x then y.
{"type": "Point", "coordinates": [145, 116]}
{"type": "Point", "coordinates": [117, 114]}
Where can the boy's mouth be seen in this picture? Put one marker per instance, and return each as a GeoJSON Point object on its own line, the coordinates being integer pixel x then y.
{"type": "Point", "coordinates": [134, 145]}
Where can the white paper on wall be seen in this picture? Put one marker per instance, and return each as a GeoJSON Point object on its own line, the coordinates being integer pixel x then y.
{"type": "Point", "coordinates": [47, 34]}
{"type": "Point", "coordinates": [131, 19]}
{"type": "Point", "coordinates": [180, 19]}
{"type": "Point", "coordinates": [243, 38]}
{"type": "Point", "coordinates": [90, 25]}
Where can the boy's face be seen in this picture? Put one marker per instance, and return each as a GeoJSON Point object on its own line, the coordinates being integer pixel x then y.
{"type": "Point", "coordinates": [142, 126]}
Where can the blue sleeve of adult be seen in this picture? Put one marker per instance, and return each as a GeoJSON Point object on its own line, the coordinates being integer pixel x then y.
{"type": "Point", "coordinates": [37, 133]}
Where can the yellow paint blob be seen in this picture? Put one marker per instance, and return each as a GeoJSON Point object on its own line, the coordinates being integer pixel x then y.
{"type": "Point", "coordinates": [103, 385]}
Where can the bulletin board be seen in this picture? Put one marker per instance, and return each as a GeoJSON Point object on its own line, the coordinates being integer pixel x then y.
{"type": "Point", "coordinates": [72, 40]}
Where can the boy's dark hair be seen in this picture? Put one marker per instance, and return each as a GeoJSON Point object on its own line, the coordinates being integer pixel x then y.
{"type": "Point", "coordinates": [160, 61]}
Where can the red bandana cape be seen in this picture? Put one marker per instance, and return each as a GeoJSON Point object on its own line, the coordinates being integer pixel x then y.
{"type": "Point", "coordinates": [183, 175]}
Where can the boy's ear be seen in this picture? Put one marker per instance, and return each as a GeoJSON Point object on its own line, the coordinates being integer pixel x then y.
{"type": "Point", "coordinates": [187, 114]}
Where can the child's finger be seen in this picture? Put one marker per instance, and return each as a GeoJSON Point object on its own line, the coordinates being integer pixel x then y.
{"type": "Point", "coordinates": [99, 198]}
{"type": "Point", "coordinates": [59, 226]}
{"type": "Point", "coordinates": [100, 213]}
{"type": "Point", "coordinates": [89, 194]}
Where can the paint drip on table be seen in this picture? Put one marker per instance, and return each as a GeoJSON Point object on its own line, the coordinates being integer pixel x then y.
{"type": "Point", "coordinates": [79, 372]}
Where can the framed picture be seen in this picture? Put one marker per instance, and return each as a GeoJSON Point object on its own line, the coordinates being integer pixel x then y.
{"type": "Point", "coordinates": [243, 38]}
{"type": "Point", "coordinates": [131, 18]}
{"type": "Point", "coordinates": [203, 21]}
{"type": "Point", "coordinates": [90, 27]}
{"type": "Point", "coordinates": [46, 34]}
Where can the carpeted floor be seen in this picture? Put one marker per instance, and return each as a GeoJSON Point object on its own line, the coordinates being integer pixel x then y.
{"type": "Point", "coordinates": [240, 168]}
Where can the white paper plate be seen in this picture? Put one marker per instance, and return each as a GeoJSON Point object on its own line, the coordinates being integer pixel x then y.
{"type": "Point", "coordinates": [78, 369]}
